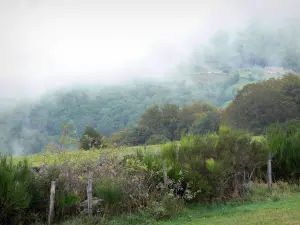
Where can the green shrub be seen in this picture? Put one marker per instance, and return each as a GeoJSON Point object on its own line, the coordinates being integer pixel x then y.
{"type": "Point", "coordinates": [154, 166]}
{"type": "Point", "coordinates": [284, 141]}
{"type": "Point", "coordinates": [68, 192]}
{"type": "Point", "coordinates": [167, 208]}
{"type": "Point", "coordinates": [15, 196]}
{"type": "Point", "coordinates": [68, 203]}
{"type": "Point", "coordinates": [193, 154]}
{"type": "Point", "coordinates": [109, 192]}
{"type": "Point", "coordinates": [217, 166]}
{"type": "Point", "coordinates": [170, 152]}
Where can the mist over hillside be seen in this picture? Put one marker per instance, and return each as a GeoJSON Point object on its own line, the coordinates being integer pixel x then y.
{"type": "Point", "coordinates": [66, 42]}
{"type": "Point", "coordinates": [107, 72]}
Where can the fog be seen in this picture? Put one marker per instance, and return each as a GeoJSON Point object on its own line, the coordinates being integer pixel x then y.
{"type": "Point", "coordinates": [50, 44]}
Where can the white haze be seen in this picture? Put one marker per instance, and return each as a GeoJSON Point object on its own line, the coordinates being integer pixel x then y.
{"type": "Point", "coordinates": [46, 44]}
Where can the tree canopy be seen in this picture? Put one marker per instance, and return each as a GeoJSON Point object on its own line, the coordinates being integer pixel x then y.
{"type": "Point", "coordinates": [259, 105]}
{"type": "Point", "coordinates": [90, 139]}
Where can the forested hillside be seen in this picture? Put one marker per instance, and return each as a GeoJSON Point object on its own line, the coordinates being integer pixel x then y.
{"type": "Point", "coordinates": [108, 109]}
{"type": "Point", "coordinates": [213, 74]}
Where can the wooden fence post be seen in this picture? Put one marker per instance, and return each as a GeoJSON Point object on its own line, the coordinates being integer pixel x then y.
{"type": "Point", "coordinates": [270, 171]}
{"type": "Point", "coordinates": [177, 152]}
{"type": "Point", "coordinates": [165, 172]}
{"type": "Point", "coordinates": [51, 206]}
{"type": "Point", "coordinates": [90, 193]}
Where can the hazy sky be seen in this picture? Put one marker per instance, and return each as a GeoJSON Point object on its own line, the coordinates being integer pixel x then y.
{"type": "Point", "coordinates": [49, 43]}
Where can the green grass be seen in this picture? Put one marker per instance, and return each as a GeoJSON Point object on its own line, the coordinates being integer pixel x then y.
{"type": "Point", "coordinates": [81, 156]}
{"type": "Point", "coordinates": [284, 211]}
{"type": "Point", "coordinates": [281, 212]}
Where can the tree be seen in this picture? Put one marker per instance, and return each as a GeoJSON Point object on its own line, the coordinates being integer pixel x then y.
{"type": "Point", "coordinates": [162, 120]}
{"type": "Point", "coordinates": [152, 119]}
{"type": "Point", "coordinates": [170, 119]}
{"type": "Point", "coordinates": [165, 122]}
{"type": "Point", "coordinates": [118, 138]}
{"type": "Point", "coordinates": [291, 87]}
{"type": "Point", "coordinates": [137, 136]}
{"type": "Point", "coordinates": [259, 105]}
{"type": "Point", "coordinates": [209, 123]}
{"type": "Point", "coordinates": [90, 139]}
{"type": "Point", "coordinates": [192, 112]}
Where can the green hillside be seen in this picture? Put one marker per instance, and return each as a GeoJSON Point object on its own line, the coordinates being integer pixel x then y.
{"type": "Point", "coordinates": [27, 129]}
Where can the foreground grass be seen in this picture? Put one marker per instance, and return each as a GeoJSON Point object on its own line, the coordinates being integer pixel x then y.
{"type": "Point", "coordinates": [284, 211]}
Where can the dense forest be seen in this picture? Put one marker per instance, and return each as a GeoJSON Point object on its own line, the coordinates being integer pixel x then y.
{"type": "Point", "coordinates": [191, 95]}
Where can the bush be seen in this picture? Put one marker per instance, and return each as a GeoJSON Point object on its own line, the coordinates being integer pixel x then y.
{"type": "Point", "coordinates": [170, 152]}
{"type": "Point", "coordinates": [124, 187]}
{"type": "Point", "coordinates": [215, 166]}
{"type": "Point", "coordinates": [167, 208]}
{"type": "Point", "coordinates": [284, 141]}
{"type": "Point", "coordinates": [110, 192]}
{"type": "Point", "coordinates": [153, 163]}
{"type": "Point", "coordinates": [68, 203]}
{"type": "Point", "coordinates": [15, 193]}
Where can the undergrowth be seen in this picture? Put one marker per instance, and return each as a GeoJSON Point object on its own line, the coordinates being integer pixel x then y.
{"type": "Point", "coordinates": [258, 197]}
